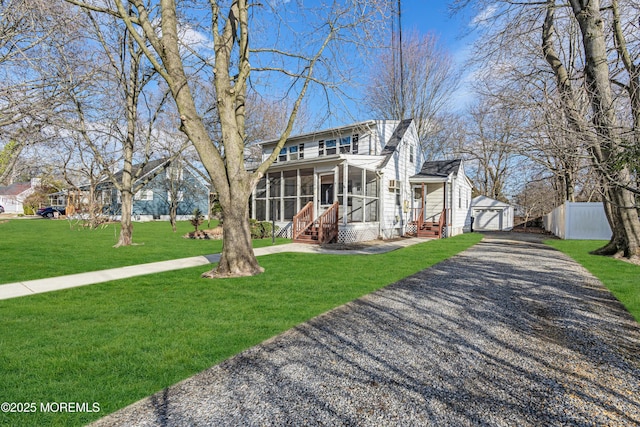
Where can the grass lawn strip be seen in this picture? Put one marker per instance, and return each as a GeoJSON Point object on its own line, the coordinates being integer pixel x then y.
{"type": "Point", "coordinates": [37, 249]}
{"type": "Point", "coordinates": [115, 343]}
{"type": "Point", "coordinates": [620, 277]}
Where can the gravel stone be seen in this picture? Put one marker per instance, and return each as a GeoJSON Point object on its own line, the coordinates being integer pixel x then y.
{"type": "Point", "coordinates": [508, 333]}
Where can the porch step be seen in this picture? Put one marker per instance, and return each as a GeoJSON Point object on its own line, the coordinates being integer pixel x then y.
{"type": "Point", "coordinates": [428, 229]}
{"type": "Point", "coordinates": [310, 236]}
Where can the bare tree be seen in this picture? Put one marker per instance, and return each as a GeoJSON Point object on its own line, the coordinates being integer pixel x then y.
{"type": "Point", "coordinates": [228, 59]}
{"type": "Point", "coordinates": [421, 92]}
{"type": "Point", "coordinates": [490, 147]}
{"type": "Point", "coordinates": [29, 31]}
{"type": "Point", "coordinates": [590, 72]}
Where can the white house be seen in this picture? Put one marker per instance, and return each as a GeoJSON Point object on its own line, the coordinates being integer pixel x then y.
{"type": "Point", "coordinates": [491, 215]}
{"type": "Point", "coordinates": [12, 196]}
{"type": "Point", "coordinates": [355, 183]}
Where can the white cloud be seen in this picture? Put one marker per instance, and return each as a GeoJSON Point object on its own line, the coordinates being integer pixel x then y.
{"type": "Point", "coordinates": [482, 17]}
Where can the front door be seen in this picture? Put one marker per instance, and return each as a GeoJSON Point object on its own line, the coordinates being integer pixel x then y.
{"type": "Point", "coordinates": [419, 201]}
{"type": "Point", "coordinates": [326, 192]}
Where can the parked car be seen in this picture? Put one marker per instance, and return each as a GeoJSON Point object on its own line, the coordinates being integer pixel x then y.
{"type": "Point", "coordinates": [50, 211]}
{"type": "Point", "coordinates": [1, 209]}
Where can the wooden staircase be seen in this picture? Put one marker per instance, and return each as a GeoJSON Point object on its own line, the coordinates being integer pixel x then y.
{"type": "Point", "coordinates": [322, 230]}
{"type": "Point", "coordinates": [430, 229]}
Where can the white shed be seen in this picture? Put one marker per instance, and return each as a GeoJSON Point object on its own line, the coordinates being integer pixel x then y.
{"type": "Point", "coordinates": [491, 215]}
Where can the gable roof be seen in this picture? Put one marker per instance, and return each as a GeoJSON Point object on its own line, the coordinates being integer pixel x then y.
{"type": "Point", "coordinates": [394, 141]}
{"type": "Point", "coordinates": [148, 168]}
{"type": "Point", "coordinates": [15, 189]}
{"type": "Point", "coordinates": [487, 202]}
{"type": "Point", "coordinates": [439, 168]}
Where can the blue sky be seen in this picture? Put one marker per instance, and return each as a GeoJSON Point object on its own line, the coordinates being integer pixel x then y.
{"type": "Point", "coordinates": [433, 16]}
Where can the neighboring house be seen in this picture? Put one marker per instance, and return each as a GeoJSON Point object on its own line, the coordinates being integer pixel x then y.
{"type": "Point", "coordinates": [153, 200]}
{"type": "Point", "coordinates": [353, 183]}
{"type": "Point", "coordinates": [491, 215]}
{"type": "Point", "coordinates": [12, 196]}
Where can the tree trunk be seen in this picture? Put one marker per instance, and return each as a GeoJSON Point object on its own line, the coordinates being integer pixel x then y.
{"type": "Point", "coordinates": [173, 213]}
{"type": "Point", "coordinates": [126, 226]}
{"type": "Point", "coordinates": [626, 230]}
{"type": "Point", "coordinates": [237, 259]}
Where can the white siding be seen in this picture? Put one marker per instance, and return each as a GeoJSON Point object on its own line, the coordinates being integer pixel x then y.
{"type": "Point", "coordinates": [395, 216]}
{"type": "Point", "coordinates": [461, 204]}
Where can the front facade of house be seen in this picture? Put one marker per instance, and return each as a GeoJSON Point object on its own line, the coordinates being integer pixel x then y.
{"type": "Point", "coordinates": [12, 196]}
{"type": "Point", "coordinates": [356, 178]}
{"type": "Point", "coordinates": [153, 201]}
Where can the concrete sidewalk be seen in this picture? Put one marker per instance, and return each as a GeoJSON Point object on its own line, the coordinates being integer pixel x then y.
{"type": "Point", "coordinates": [30, 287]}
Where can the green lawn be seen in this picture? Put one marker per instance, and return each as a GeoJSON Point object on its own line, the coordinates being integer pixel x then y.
{"type": "Point", "coordinates": [115, 343]}
{"type": "Point", "coordinates": [620, 277]}
{"type": "Point", "coordinates": [39, 248]}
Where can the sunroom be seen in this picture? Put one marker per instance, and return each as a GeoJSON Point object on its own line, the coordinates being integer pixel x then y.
{"type": "Point", "coordinates": [336, 198]}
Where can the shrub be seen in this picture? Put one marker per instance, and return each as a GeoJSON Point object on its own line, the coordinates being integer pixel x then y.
{"type": "Point", "coordinates": [261, 229]}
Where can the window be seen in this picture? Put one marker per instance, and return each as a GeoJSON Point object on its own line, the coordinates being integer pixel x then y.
{"type": "Point", "coordinates": [327, 148]}
{"type": "Point", "coordinates": [179, 196]}
{"type": "Point", "coordinates": [412, 153]}
{"type": "Point", "coordinates": [301, 151]}
{"type": "Point", "coordinates": [283, 155]}
{"type": "Point", "coordinates": [354, 144]}
{"type": "Point", "coordinates": [345, 144]}
{"type": "Point", "coordinates": [330, 147]}
{"type": "Point", "coordinates": [143, 195]}
{"type": "Point", "coordinates": [174, 173]}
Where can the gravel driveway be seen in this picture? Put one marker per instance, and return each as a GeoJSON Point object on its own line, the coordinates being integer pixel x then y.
{"type": "Point", "coordinates": [508, 333]}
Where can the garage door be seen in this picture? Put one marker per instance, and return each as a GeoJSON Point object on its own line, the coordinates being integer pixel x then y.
{"type": "Point", "coordinates": [487, 219]}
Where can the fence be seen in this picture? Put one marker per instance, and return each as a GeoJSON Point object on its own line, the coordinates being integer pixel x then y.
{"type": "Point", "coordinates": [578, 221]}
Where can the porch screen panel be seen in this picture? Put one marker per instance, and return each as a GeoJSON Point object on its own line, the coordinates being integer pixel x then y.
{"type": "Point", "coordinates": [372, 189]}
{"type": "Point", "coordinates": [306, 187]}
{"type": "Point", "coordinates": [275, 206]}
{"type": "Point", "coordinates": [355, 207]}
{"type": "Point", "coordinates": [371, 210]}
{"type": "Point", "coordinates": [261, 200]}
{"type": "Point", "coordinates": [354, 185]}
{"type": "Point", "coordinates": [290, 186]}
{"type": "Point", "coordinates": [289, 183]}
{"type": "Point", "coordinates": [306, 182]}
{"type": "Point", "coordinates": [274, 184]}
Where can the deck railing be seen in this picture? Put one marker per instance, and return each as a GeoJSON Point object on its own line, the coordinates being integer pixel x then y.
{"type": "Point", "coordinates": [303, 220]}
{"type": "Point", "coordinates": [442, 222]}
{"type": "Point", "coordinates": [328, 224]}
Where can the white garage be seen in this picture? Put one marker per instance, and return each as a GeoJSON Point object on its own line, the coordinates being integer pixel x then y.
{"type": "Point", "coordinates": [491, 215]}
